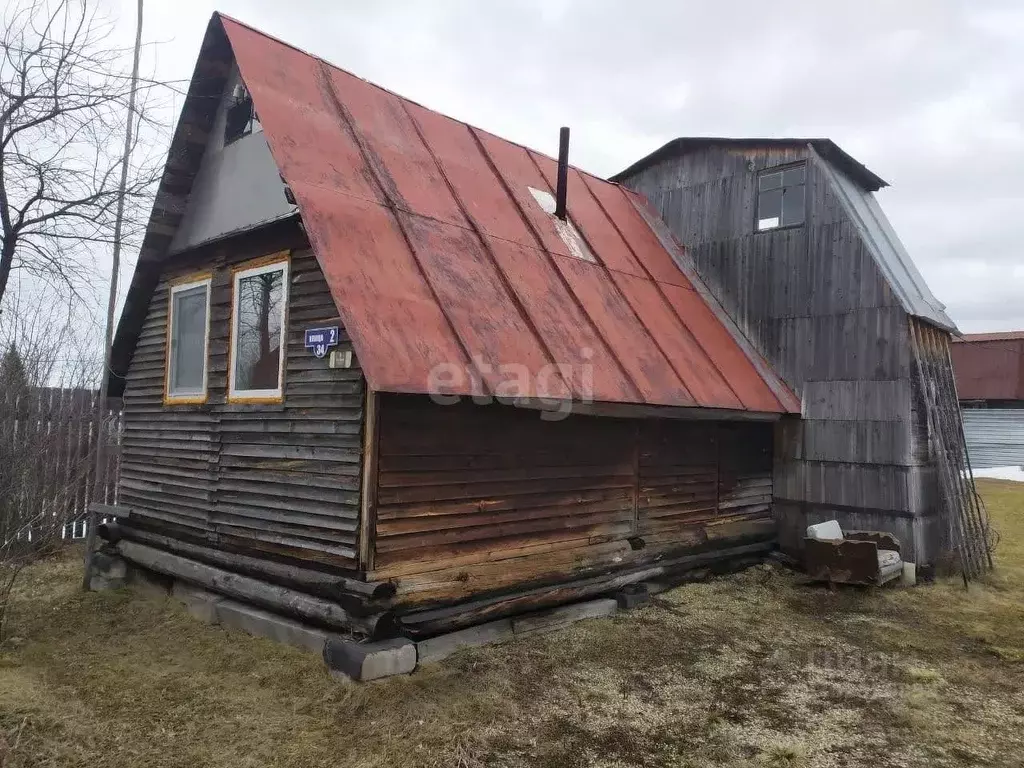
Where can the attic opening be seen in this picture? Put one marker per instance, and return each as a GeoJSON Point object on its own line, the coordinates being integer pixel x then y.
{"type": "Point", "coordinates": [240, 115]}
{"type": "Point", "coordinates": [780, 197]}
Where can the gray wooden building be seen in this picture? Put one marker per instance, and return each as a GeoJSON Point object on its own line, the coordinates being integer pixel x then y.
{"type": "Point", "coordinates": [788, 235]}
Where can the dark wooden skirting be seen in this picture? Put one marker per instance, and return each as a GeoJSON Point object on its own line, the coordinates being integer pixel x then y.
{"type": "Point", "coordinates": [820, 506]}
{"type": "Point", "coordinates": [425, 623]}
{"type": "Point", "coordinates": [351, 593]}
{"type": "Point", "coordinates": [283, 600]}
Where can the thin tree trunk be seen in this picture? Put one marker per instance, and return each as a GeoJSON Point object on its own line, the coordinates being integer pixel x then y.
{"type": "Point", "coordinates": [6, 263]}
{"type": "Point", "coordinates": [101, 420]}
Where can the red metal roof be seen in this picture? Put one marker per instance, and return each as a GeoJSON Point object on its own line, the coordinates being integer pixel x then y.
{"type": "Point", "coordinates": [997, 336]}
{"type": "Point", "coordinates": [989, 366]}
{"type": "Point", "coordinates": [438, 254]}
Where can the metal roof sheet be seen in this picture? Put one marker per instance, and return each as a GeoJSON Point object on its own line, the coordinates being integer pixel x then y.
{"type": "Point", "coordinates": [993, 336]}
{"type": "Point", "coordinates": [438, 254]}
{"type": "Point", "coordinates": [989, 368]}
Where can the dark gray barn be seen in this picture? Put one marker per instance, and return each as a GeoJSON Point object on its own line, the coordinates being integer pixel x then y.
{"type": "Point", "coordinates": [788, 235]}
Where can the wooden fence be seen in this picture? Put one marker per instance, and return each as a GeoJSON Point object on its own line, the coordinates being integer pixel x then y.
{"type": "Point", "coordinates": [48, 446]}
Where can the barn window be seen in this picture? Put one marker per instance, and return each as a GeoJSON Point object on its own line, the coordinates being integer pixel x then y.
{"type": "Point", "coordinates": [780, 197]}
{"type": "Point", "coordinates": [240, 119]}
{"type": "Point", "coordinates": [258, 311]}
{"type": "Point", "coordinates": [188, 328]}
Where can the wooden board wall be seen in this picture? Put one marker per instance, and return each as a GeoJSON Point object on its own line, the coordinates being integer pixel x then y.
{"type": "Point", "coordinates": [275, 478]}
{"type": "Point", "coordinates": [474, 498]}
{"type": "Point", "coordinates": [814, 302]}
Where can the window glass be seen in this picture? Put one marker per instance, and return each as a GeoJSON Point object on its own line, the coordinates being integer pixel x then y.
{"type": "Point", "coordinates": [240, 118]}
{"type": "Point", "coordinates": [187, 353]}
{"type": "Point", "coordinates": [793, 176]}
{"type": "Point", "coordinates": [793, 206]}
{"type": "Point", "coordinates": [769, 209]}
{"type": "Point", "coordinates": [769, 181]}
{"type": "Point", "coordinates": [780, 197]}
{"type": "Point", "coordinates": [259, 310]}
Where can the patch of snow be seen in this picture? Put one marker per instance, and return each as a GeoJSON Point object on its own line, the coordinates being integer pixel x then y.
{"type": "Point", "coordinates": [1002, 473]}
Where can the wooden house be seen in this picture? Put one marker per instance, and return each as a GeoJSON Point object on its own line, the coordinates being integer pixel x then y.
{"type": "Point", "coordinates": [989, 371]}
{"type": "Point", "coordinates": [789, 237]}
{"type": "Point", "coordinates": [375, 356]}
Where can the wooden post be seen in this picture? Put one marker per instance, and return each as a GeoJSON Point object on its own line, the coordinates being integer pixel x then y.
{"type": "Point", "coordinates": [368, 497]}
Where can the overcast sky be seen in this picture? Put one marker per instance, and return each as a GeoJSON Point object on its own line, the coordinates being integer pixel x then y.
{"type": "Point", "coordinates": [929, 94]}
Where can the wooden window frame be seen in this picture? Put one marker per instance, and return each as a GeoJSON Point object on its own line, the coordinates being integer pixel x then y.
{"type": "Point", "coordinates": [259, 266]}
{"type": "Point", "coordinates": [757, 193]}
{"type": "Point", "coordinates": [177, 286]}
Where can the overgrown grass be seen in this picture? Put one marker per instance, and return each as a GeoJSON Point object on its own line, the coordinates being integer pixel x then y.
{"type": "Point", "coordinates": [752, 670]}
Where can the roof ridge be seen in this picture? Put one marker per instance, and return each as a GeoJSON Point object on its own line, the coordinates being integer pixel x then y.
{"type": "Point", "coordinates": [332, 65]}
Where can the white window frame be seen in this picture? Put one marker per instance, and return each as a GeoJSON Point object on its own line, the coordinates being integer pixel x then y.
{"type": "Point", "coordinates": [279, 264]}
{"type": "Point", "coordinates": [188, 398]}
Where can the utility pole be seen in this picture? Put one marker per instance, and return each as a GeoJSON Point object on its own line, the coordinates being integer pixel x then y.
{"type": "Point", "coordinates": [108, 340]}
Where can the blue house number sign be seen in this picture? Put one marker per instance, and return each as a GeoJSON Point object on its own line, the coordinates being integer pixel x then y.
{"type": "Point", "coordinates": [321, 339]}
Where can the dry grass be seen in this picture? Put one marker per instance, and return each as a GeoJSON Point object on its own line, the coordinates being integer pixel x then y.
{"type": "Point", "coordinates": [753, 670]}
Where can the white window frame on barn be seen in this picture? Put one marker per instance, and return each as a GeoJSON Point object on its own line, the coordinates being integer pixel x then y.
{"type": "Point", "coordinates": [172, 394]}
{"type": "Point", "coordinates": [787, 183]}
{"type": "Point", "coordinates": [279, 262]}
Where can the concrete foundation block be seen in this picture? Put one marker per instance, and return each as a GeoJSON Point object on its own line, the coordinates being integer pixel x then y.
{"type": "Point", "coordinates": [557, 618]}
{"type": "Point", "coordinates": [632, 596]}
{"type": "Point", "coordinates": [369, 661]}
{"type": "Point", "coordinates": [149, 583]}
{"type": "Point", "coordinates": [108, 572]}
{"type": "Point", "coordinates": [198, 602]}
{"type": "Point", "coordinates": [437, 648]}
{"type": "Point", "coordinates": [260, 623]}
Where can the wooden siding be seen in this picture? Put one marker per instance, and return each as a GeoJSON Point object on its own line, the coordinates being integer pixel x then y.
{"type": "Point", "coordinates": [815, 303]}
{"type": "Point", "coordinates": [277, 478]}
{"type": "Point", "coordinates": [476, 498]}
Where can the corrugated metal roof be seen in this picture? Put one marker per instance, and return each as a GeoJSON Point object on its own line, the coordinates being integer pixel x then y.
{"type": "Point", "coordinates": [989, 368]}
{"type": "Point", "coordinates": [996, 336]}
{"type": "Point", "coordinates": [437, 253]}
{"type": "Point", "coordinates": [995, 436]}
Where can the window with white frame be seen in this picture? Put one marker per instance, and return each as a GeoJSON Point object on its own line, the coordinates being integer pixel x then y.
{"type": "Point", "coordinates": [780, 197]}
{"type": "Point", "coordinates": [188, 331]}
{"type": "Point", "coordinates": [258, 312]}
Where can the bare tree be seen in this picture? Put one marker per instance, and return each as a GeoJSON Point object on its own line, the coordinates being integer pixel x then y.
{"type": "Point", "coordinates": [64, 95]}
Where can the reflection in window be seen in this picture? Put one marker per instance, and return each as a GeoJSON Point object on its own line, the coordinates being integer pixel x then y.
{"type": "Point", "coordinates": [240, 117]}
{"type": "Point", "coordinates": [257, 333]}
{"type": "Point", "coordinates": [780, 198]}
{"type": "Point", "coordinates": [186, 354]}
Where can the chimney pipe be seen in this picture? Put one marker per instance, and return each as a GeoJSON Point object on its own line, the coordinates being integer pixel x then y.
{"type": "Point", "coordinates": [562, 189]}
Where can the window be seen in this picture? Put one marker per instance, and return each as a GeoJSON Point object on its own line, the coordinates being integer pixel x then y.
{"type": "Point", "coordinates": [260, 297]}
{"type": "Point", "coordinates": [187, 330]}
{"type": "Point", "coordinates": [780, 198]}
{"type": "Point", "coordinates": [240, 119]}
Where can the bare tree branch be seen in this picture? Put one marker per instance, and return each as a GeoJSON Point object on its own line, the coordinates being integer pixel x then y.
{"type": "Point", "coordinates": [64, 94]}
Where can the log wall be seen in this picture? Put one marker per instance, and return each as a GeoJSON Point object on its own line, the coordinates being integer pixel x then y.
{"type": "Point", "coordinates": [281, 479]}
{"type": "Point", "coordinates": [477, 498]}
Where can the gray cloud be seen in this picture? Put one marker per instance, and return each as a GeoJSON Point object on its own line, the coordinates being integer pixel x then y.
{"type": "Point", "coordinates": [927, 93]}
